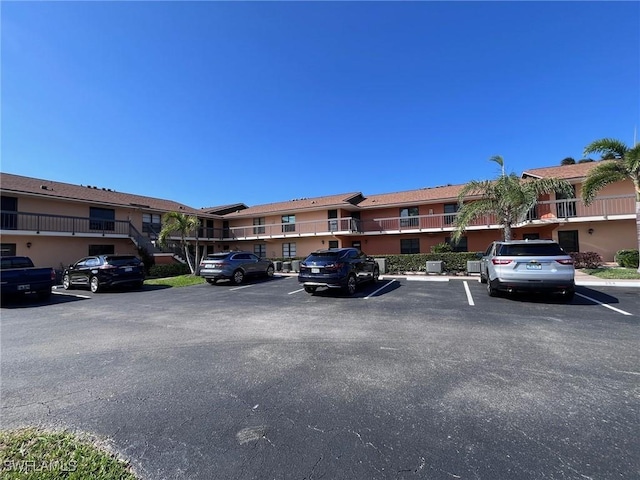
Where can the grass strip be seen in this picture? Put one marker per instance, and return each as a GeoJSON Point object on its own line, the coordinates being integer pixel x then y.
{"type": "Point", "coordinates": [613, 273]}
{"type": "Point", "coordinates": [33, 453]}
{"type": "Point", "coordinates": [179, 281]}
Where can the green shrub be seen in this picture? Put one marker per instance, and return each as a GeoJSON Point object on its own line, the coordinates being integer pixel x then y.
{"type": "Point", "coordinates": [170, 270]}
{"type": "Point", "coordinates": [441, 248]}
{"type": "Point", "coordinates": [453, 262]}
{"type": "Point", "coordinates": [586, 259]}
{"type": "Point", "coordinates": [627, 258]}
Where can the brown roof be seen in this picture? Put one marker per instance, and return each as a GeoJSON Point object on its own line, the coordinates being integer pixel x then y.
{"type": "Point", "coordinates": [224, 209]}
{"type": "Point", "coordinates": [318, 203]}
{"type": "Point", "coordinates": [423, 195]}
{"type": "Point", "coordinates": [46, 188]}
{"type": "Point", "coordinates": [566, 172]}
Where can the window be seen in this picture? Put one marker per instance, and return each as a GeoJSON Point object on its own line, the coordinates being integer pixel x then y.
{"type": "Point", "coordinates": [410, 245]}
{"type": "Point", "coordinates": [289, 223]}
{"type": "Point", "coordinates": [460, 246]}
{"type": "Point", "coordinates": [9, 220]}
{"type": "Point", "coordinates": [101, 250]}
{"type": "Point", "coordinates": [151, 223]}
{"type": "Point", "coordinates": [258, 229]}
{"type": "Point", "coordinates": [260, 250]}
{"type": "Point", "coordinates": [450, 208]}
{"type": "Point", "coordinates": [102, 218]}
{"type": "Point", "coordinates": [8, 249]}
{"type": "Point", "coordinates": [409, 212]}
{"type": "Point", "coordinates": [333, 243]}
{"type": "Point", "coordinates": [332, 215]}
{"type": "Point", "coordinates": [357, 244]}
{"type": "Point", "coordinates": [288, 250]}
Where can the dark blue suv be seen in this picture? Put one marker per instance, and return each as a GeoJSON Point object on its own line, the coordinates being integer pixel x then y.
{"type": "Point", "coordinates": [342, 268]}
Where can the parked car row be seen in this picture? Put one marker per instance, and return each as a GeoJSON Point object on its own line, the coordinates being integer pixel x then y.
{"type": "Point", "coordinates": [506, 266]}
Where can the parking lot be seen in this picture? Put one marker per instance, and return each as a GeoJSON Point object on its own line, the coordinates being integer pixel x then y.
{"type": "Point", "coordinates": [406, 379]}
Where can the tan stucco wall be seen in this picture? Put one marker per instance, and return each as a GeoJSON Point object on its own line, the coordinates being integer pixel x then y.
{"type": "Point", "coordinates": [607, 237]}
{"type": "Point", "coordinates": [57, 251]}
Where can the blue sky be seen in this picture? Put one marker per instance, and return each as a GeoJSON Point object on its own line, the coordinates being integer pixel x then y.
{"type": "Point", "coordinates": [211, 103]}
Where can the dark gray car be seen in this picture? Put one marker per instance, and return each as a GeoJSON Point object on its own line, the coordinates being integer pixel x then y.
{"type": "Point", "coordinates": [528, 265]}
{"type": "Point", "coordinates": [235, 266]}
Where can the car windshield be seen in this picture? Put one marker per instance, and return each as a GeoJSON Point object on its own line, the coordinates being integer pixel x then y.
{"type": "Point", "coordinates": [119, 261]}
{"type": "Point", "coordinates": [217, 256]}
{"type": "Point", "coordinates": [322, 256]}
{"type": "Point", "coordinates": [531, 249]}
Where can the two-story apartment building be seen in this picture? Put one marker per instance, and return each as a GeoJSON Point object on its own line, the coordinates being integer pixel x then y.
{"type": "Point", "coordinates": [56, 223]}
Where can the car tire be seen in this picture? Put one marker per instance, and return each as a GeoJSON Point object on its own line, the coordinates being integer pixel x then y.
{"type": "Point", "coordinates": [568, 295]}
{"type": "Point", "coordinates": [376, 275]}
{"type": "Point", "coordinates": [66, 282]}
{"type": "Point", "coordinates": [270, 271]}
{"type": "Point", "coordinates": [310, 290]}
{"type": "Point", "coordinates": [491, 289]}
{"type": "Point", "coordinates": [352, 284]}
{"type": "Point", "coordinates": [238, 277]}
{"type": "Point", "coordinates": [94, 284]}
{"type": "Point", "coordinates": [483, 278]}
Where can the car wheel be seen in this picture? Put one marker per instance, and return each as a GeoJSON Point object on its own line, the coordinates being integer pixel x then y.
{"type": "Point", "coordinates": [238, 277]}
{"type": "Point", "coordinates": [352, 284]}
{"type": "Point", "coordinates": [66, 282]}
{"type": "Point", "coordinates": [491, 290]}
{"type": "Point", "coordinates": [483, 278]}
{"type": "Point", "coordinates": [376, 275]}
{"type": "Point", "coordinates": [94, 284]}
{"type": "Point", "coordinates": [310, 289]}
{"type": "Point", "coordinates": [568, 295]}
{"type": "Point", "coordinates": [270, 271]}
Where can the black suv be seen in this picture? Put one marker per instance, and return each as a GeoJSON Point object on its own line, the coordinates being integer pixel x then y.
{"type": "Point", "coordinates": [104, 271]}
{"type": "Point", "coordinates": [342, 268]}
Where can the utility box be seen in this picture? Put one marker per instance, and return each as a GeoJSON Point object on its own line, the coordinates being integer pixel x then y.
{"type": "Point", "coordinates": [382, 265]}
{"type": "Point", "coordinates": [286, 267]}
{"type": "Point", "coordinates": [295, 265]}
{"type": "Point", "coordinates": [434, 267]}
{"type": "Point", "coordinates": [277, 265]}
{"type": "Point", "coordinates": [473, 266]}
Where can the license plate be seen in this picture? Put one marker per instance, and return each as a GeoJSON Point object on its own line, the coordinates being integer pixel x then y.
{"type": "Point", "coordinates": [315, 270]}
{"type": "Point", "coordinates": [128, 269]}
{"type": "Point", "coordinates": [24, 287]}
{"type": "Point", "coordinates": [534, 266]}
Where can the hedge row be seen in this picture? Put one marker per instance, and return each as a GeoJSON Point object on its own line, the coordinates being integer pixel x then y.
{"type": "Point", "coordinates": [171, 270]}
{"type": "Point", "coordinates": [586, 259]}
{"type": "Point", "coordinates": [452, 262]}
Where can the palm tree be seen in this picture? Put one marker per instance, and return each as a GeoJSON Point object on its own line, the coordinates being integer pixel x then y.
{"type": "Point", "coordinates": [182, 224]}
{"type": "Point", "coordinates": [625, 164]}
{"type": "Point", "coordinates": [509, 198]}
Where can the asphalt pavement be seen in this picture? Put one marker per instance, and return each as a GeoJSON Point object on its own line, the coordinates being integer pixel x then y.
{"type": "Point", "coordinates": [407, 379]}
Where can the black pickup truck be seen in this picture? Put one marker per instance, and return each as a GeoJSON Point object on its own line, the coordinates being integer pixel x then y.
{"type": "Point", "coordinates": [18, 276]}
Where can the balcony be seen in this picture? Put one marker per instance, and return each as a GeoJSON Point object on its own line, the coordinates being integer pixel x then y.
{"type": "Point", "coordinates": [334, 226]}
{"type": "Point", "coordinates": [17, 223]}
{"type": "Point", "coordinates": [618, 207]}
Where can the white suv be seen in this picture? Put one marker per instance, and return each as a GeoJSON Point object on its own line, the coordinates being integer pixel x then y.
{"type": "Point", "coordinates": [527, 265]}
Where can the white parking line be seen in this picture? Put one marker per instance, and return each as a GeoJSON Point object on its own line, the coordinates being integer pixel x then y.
{"type": "Point", "coordinates": [77, 295]}
{"type": "Point", "coordinates": [295, 291]}
{"type": "Point", "coordinates": [381, 288]}
{"type": "Point", "coordinates": [469, 297]}
{"type": "Point", "coordinates": [606, 305]}
{"type": "Point", "coordinates": [240, 288]}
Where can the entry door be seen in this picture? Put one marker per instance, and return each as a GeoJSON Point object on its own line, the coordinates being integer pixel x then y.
{"type": "Point", "coordinates": [568, 240]}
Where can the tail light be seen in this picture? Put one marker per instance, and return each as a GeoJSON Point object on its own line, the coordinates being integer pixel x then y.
{"type": "Point", "coordinates": [107, 267]}
{"type": "Point", "coordinates": [568, 261]}
{"type": "Point", "coordinates": [501, 261]}
{"type": "Point", "coordinates": [334, 267]}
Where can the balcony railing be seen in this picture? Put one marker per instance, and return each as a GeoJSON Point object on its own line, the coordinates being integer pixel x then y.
{"type": "Point", "coordinates": [553, 211]}
{"type": "Point", "coordinates": [40, 222]}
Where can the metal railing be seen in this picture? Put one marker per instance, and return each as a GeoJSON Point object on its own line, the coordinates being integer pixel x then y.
{"type": "Point", "coordinates": [41, 222]}
{"type": "Point", "coordinates": [544, 211]}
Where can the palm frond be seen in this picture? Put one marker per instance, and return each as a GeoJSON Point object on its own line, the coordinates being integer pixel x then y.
{"type": "Point", "coordinates": [605, 146]}
{"type": "Point", "coordinates": [599, 177]}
